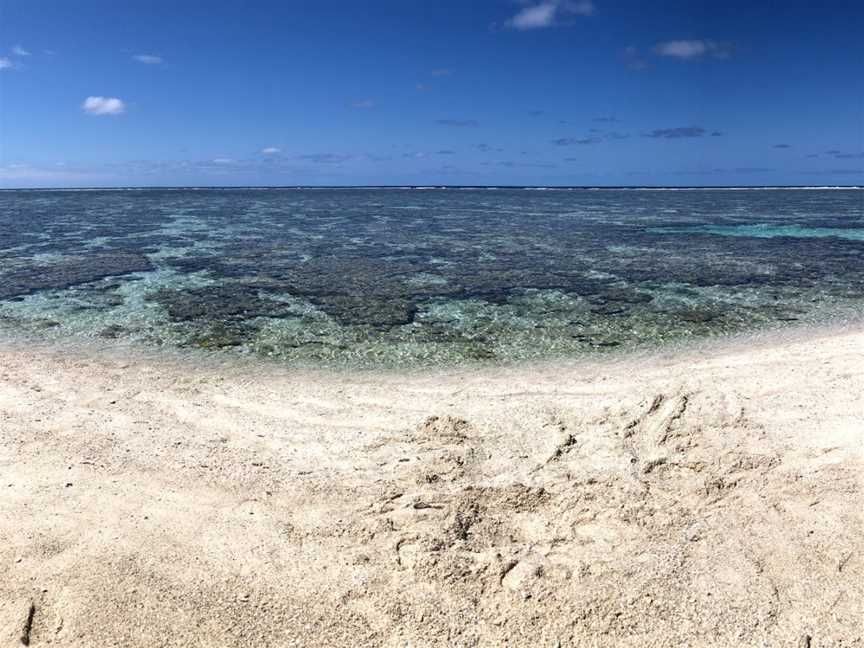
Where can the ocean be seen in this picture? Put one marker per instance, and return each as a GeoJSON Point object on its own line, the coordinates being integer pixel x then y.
{"type": "Point", "coordinates": [424, 276]}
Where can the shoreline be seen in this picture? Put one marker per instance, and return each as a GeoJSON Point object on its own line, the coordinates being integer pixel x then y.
{"type": "Point", "coordinates": [705, 496]}
{"type": "Point", "coordinates": [670, 351]}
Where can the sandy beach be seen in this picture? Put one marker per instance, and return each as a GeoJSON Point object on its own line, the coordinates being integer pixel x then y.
{"type": "Point", "coordinates": [705, 497]}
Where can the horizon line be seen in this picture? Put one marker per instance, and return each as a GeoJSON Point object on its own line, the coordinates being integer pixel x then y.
{"type": "Point", "coordinates": [429, 187]}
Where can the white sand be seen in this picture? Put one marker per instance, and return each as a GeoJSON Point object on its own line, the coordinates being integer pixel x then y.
{"type": "Point", "coordinates": [712, 498]}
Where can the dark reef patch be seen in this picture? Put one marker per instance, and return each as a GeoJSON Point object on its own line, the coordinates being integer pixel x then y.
{"type": "Point", "coordinates": [70, 271]}
{"type": "Point", "coordinates": [217, 303]}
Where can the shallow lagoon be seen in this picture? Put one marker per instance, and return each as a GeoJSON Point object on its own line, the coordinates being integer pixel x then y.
{"type": "Point", "coordinates": [406, 276]}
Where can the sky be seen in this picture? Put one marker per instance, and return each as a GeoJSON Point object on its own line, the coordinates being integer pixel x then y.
{"type": "Point", "coordinates": [411, 92]}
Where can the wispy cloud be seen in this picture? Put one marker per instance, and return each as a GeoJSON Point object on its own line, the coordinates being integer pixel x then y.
{"type": "Point", "coordinates": [596, 137]}
{"type": "Point", "coordinates": [572, 141]}
{"type": "Point", "coordinates": [445, 152]}
{"type": "Point", "coordinates": [17, 50]}
{"type": "Point", "coordinates": [691, 50]}
{"type": "Point", "coordinates": [440, 72]}
{"type": "Point", "coordinates": [270, 150]}
{"type": "Point", "coordinates": [535, 165]}
{"type": "Point", "coordinates": [363, 104]}
{"type": "Point", "coordinates": [103, 106]}
{"type": "Point", "coordinates": [681, 132]}
{"type": "Point", "coordinates": [223, 161]}
{"type": "Point", "coordinates": [459, 123]}
{"type": "Point", "coordinates": [18, 175]}
{"type": "Point", "coordinates": [782, 146]}
{"type": "Point", "coordinates": [716, 171]}
{"type": "Point", "coordinates": [840, 155]}
{"type": "Point", "coordinates": [6, 64]}
{"type": "Point", "coordinates": [325, 158]}
{"type": "Point", "coordinates": [549, 13]}
{"type": "Point", "coordinates": [840, 172]}
{"type": "Point", "coordinates": [633, 59]}
{"type": "Point", "coordinates": [148, 59]}
{"type": "Point", "coordinates": [606, 120]}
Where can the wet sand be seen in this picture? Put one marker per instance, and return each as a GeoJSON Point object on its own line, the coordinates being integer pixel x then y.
{"type": "Point", "coordinates": [708, 497]}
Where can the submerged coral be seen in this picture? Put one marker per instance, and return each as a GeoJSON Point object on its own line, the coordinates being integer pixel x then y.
{"type": "Point", "coordinates": [406, 276]}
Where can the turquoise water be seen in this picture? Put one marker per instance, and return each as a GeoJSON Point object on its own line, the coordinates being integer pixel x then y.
{"type": "Point", "coordinates": [372, 277]}
{"type": "Point", "coordinates": [764, 230]}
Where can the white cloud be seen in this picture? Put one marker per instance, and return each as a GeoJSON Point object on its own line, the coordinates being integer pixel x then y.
{"type": "Point", "coordinates": [20, 51]}
{"type": "Point", "coordinates": [223, 161]}
{"type": "Point", "coordinates": [533, 17]}
{"type": "Point", "coordinates": [270, 150]}
{"type": "Point", "coordinates": [148, 59]}
{"type": "Point", "coordinates": [688, 50]}
{"type": "Point", "coordinates": [5, 63]}
{"type": "Point", "coordinates": [363, 103]}
{"type": "Point", "coordinates": [549, 13]}
{"type": "Point", "coordinates": [103, 106]}
{"type": "Point", "coordinates": [684, 49]}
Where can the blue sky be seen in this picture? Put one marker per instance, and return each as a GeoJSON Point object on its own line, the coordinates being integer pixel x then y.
{"type": "Point", "coordinates": [548, 92]}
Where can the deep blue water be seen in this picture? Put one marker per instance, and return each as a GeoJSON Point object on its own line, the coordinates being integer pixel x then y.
{"type": "Point", "coordinates": [408, 276]}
